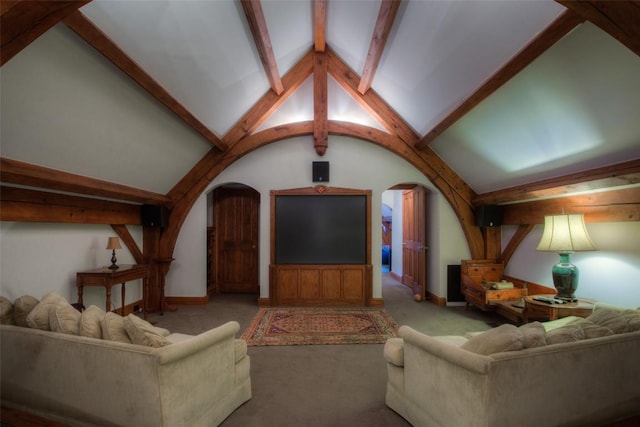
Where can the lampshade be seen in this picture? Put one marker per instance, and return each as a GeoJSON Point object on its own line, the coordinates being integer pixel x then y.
{"type": "Point", "coordinates": [565, 233]}
{"type": "Point", "coordinates": [113, 243]}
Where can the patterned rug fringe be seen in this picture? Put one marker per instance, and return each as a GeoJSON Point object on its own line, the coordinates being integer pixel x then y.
{"type": "Point", "coordinates": [319, 325]}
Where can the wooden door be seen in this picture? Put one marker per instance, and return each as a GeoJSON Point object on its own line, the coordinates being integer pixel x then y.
{"type": "Point", "coordinates": [414, 264]}
{"type": "Point", "coordinates": [235, 218]}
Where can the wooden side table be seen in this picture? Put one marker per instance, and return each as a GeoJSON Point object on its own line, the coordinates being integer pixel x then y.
{"type": "Point", "coordinates": [542, 310]}
{"type": "Point", "coordinates": [108, 278]}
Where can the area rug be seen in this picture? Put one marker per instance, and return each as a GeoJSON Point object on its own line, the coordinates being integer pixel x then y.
{"type": "Point", "coordinates": [307, 326]}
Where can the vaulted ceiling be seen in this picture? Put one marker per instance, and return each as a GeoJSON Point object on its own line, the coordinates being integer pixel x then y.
{"type": "Point", "coordinates": [520, 99]}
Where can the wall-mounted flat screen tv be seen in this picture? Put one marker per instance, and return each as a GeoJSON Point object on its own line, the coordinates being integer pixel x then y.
{"type": "Point", "coordinates": [321, 229]}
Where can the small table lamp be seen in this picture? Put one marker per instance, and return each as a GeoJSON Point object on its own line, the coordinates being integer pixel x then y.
{"type": "Point", "coordinates": [565, 234]}
{"type": "Point", "coordinates": [113, 244]}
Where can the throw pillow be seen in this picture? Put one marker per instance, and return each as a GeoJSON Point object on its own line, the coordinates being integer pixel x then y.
{"type": "Point", "coordinates": [610, 318]}
{"type": "Point", "coordinates": [142, 332]}
{"type": "Point", "coordinates": [6, 312]}
{"type": "Point", "coordinates": [64, 318]}
{"type": "Point", "coordinates": [567, 333]}
{"type": "Point", "coordinates": [533, 334]}
{"type": "Point", "coordinates": [591, 330]}
{"type": "Point", "coordinates": [22, 306]}
{"type": "Point", "coordinates": [503, 338]}
{"type": "Point", "coordinates": [633, 319]}
{"type": "Point", "coordinates": [91, 322]}
{"type": "Point", "coordinates": [113, 328]}
{"type": "Point", "coordinates": [38, 318]}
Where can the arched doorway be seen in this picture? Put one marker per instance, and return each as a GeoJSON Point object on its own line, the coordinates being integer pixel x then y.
{"type": "Point", "coordinates": [232, 240]}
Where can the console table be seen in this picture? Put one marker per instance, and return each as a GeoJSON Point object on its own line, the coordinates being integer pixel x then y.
{"type": "Point", "coordinates": [108, 278]}
{"type": "Point", "coordinates": [581, 308]}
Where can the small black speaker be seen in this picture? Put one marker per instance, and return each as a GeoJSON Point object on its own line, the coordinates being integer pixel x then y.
{"type": "Point", "coordinates": [155, 216]}
{"type": "Point", "coordinates": [320, 172]}
{"type": "Point", "coordinates": [489, 216]}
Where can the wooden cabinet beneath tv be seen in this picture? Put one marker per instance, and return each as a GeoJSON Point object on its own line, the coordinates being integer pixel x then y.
{"type": "Point", "coordinates": [320, 285]}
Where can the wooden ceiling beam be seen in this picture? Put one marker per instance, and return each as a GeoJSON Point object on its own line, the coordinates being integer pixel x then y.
{"type": "Point", "coordinates": [20, 173]}
{"type": "Point", "coordinates": [258, 26]}
{"type": "Point", "coordinates": [320, 24]}
{"type": "Point", "coordinates": [620, 205]}
{"type": "Point", "coordinates": [23, 21]}
{"type": "Point", "coordinates": [270, 101]}
{"type": "Point", "coordinates": [320, 104]}
{"type": "Point", "coordinates": [621, 19]}
{"type": "Point", "coordinates": [25, 205]}
{"type": "Point", "coordinates": [547, 38]}
{"type": "Point", "coordinates": [612, 176]}
{"type": "Point", "coordinates": [386, 16]}
{"type": "Point", "coordinates": [90, 33]}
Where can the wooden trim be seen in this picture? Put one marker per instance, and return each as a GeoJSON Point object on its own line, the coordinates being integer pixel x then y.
{"type": "Point", "coordinates": [24, 21]}
{"type": "Point", "coordinates": [384, 22]}
{"type": "Point", "coordinates": [376, 302]}
{"type": "Point", "coordinates": [16, 172]}
{"type": "Point", "coordinates": [437, 300]}
{"type": "Point", "coordinates": [87, 30]}
{"type": "Point", "coordinates": [547, 38]}
{"type": "Point", "coordinates": [26, 205]}
{"type": "Point", "coordinates": [258, 26]}
{"type": "Point", "coordinates": [605, 177]}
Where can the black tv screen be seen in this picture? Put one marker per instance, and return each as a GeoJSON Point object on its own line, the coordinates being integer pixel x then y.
{"type": "Point", "coordinates": [325, 229]}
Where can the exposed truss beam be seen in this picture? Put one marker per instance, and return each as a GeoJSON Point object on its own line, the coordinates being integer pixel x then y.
{"type": "Point", "coordinates": [386, 16]}
{"type": "Point", "coordinates": [23, 21]}
{"type": "Point", "coordinates": [320, 103]}
{"type": "Point", "coordinates": [621, 19]}
{"type": "Point", "coordinates": [16, 172]}
{"type": "Point", "coordinates": [258, 26]}
{"type": "Point", "coordinates": [87, 30]}
{"type": "Point", "coordinates": [617, 175]}
{"type": "Point", "coordinates": [320, 24]}
{"type": "Point", "coordinates": [547, 38]}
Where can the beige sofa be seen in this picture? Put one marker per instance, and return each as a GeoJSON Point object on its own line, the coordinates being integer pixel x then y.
{"type": "Point", "coordinates": [562, 378]}
{"type": "Point", "coordinates": [85, 381]}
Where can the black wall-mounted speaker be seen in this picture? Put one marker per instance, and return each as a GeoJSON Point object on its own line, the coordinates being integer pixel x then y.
{"type": "Point", "coordinates": [320, 172]}
{"type": "Point", "coordinates": [489, 216]}
{"type": "Point", "coordinates": [155, 216]}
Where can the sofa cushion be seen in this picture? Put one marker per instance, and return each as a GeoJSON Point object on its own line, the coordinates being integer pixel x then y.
{"type": "Point", "coordinates": [394, 351]}
{"type": "Point", "coordinates": [609, 318]}
{"type": "Point", "coordinates": [113, 328]}
{"type": "Point", "coordinates": [91, 322]}
{"type": "Point", "coordinates": [22, 306]}
{"type": "Point", "coordinates": [533, 334]}
{"type": "Point", "coordinates": [567, 333]}
{"type": "Point", "coordinates": [38, 318]}
{"type": "Point", "coordinates": [64, 318]}
{"type": "Point", "coordinates": [633, 319]}
{"type": "Point", "coordinates": [590, 329]}
{"type": "Point", "coordinates": [142, 332]}
{"type": "Point", "coordinates": [6, 312]}
{"type": "Point", "coordinates": [505, 337]}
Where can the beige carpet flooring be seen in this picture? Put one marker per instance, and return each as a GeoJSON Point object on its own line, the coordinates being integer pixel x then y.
{"type": "Point", "coordinates": [322, 385]}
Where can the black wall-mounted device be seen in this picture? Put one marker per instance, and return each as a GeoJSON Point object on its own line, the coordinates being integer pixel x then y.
{"type": "Point", "coordinates": [155, 216]}
{"type": "Point", "coordinates": [488, 216]}
{"type": "Point", "coordinates": [320, 172]}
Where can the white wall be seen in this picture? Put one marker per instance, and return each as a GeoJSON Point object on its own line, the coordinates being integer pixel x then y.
{"type": "Point", "coordinates": [36, 258]}
{"type": "Point", "coordinates": [287, 164]}
{"type": "Point", "coordinates": [611, 274]}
